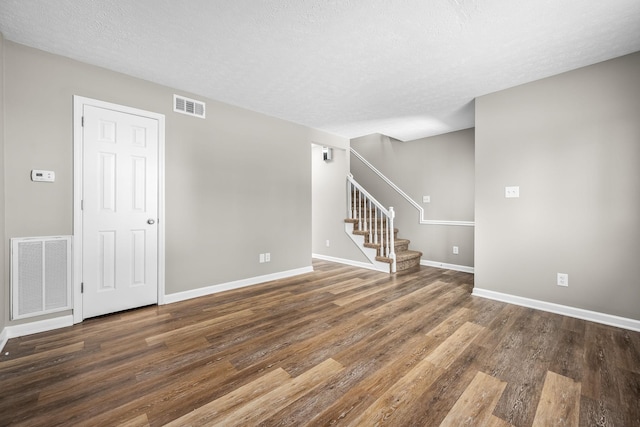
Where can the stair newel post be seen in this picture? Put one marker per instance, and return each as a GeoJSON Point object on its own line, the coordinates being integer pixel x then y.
{"type": "Point", "coordinates": [392, 247]}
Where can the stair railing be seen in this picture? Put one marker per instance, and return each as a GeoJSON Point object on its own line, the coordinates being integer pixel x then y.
{"type": "Point", "coordinates": [373, 218]}
{"type": "Point", "coordinates": [410, 200]}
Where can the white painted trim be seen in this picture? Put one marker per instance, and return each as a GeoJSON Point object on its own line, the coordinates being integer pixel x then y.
{"type": "Point", "coordinates": [348, 262]}
{"type": "Point", "coordinates": [34, 328]}
{"type": "Point", "coordinates": [426, 263]}
{"type": "Point", "coordinates": [77, 211]}
{"type": "Point", "coordinates": [370, 253]}
{"type": "Point", "coordinates": [161, 208]}
{"type": "Point", "coordinates": [579, 313]}
{"type": "Point", "coordinates": [455, 267]}
{"type": "Point", "coordinates": [415, 204]}
{"type": "Point", "coordinates": [214, 289]}
{"type": "Point", "coordinates": [78, 104]}
{"type": "Point", "coordinates": [4, 337]}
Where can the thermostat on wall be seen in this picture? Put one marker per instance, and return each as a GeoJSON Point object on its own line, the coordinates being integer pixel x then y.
{"type": "Point", "coordinates": [43, 176]}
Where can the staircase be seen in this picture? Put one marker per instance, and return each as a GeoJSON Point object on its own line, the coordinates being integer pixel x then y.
{"type": "Point", "coordinates": [370, 226]}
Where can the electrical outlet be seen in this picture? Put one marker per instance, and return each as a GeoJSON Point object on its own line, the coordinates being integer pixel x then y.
{"type": "Point", "coordinates": [426, 199]}
{"type": "Point", "coordinates": [261, 258]}
{"type": "Point", "coordinates": [563, 279]}
{"type": "Point", "coordinates": [267, 257]}
{"type": "Point", "coordinates": [455, 250]}
{"type": "Point", "coordinates": [511, 192]}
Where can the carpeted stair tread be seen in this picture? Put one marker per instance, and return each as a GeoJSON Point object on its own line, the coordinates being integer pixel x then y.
{"type": "Point", "coordinates": [366, 232]}
{"type": "Point", "coordinates": [401, 256]}
{"type": "Point", "coordinates": [397, 243]}
{"type": "Point", "coordinates": [405, 255]}
{"type": "Point", "coordinates": [405, 258]}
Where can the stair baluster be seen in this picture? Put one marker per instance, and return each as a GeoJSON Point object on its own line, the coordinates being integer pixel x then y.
{"type": "Point", "coordinates": [372, 218]}
{"type": "Point", "coordinates": [371, 227]}
{"type": "Point", "coordinates": [390, 231]}
{"type": "Point", "coordinates": [376, 238]}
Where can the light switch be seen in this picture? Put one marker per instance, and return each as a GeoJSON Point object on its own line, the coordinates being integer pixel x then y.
{"type": "Point", "coordinates": [511, 192]}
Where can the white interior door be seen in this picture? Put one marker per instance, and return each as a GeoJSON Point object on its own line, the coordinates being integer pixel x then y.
{"type": "Point", "coordinates": [119, 211]}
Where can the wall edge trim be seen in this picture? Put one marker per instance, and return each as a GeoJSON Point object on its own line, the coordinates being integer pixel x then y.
{"type": "Point", "coordinates": [214, 289]}
{"type": "Point", "coordinates": [15, 331]}
{"type": "Point", "coordinates": [421, 220]}
{"type": "Point", "coordinates": [446, 266]}
{"type": "Point", "coordinates": [345, 261]}
{"type": "Point", "coordinates": [4, 337]}
{"type": "Point", "coordinates": [579, 313]}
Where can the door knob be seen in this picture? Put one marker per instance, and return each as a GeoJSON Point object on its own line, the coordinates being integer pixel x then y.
{"type": "Point", "coordinates": [151, 221]}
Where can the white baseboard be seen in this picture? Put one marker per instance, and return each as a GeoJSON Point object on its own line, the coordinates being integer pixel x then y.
{"type": "Point", "coordinates": [208, 290]}
{"type": "Point", "coordinates": [369, 253]}
{"type": "Point", "coordinates": [455, 267]}
{"type": "Point", "coordinates": [426, 263]}
{"type": "Point", "coordinates": [579, 313]}
{"type": "Point", "coordinates": [350, 262]}
{"type": "Point", "coordinates": [38, 326]}
{"type": "Point", "coordinates": [60, 322]}
{"type": "Point", "coordinates": [4, 337]}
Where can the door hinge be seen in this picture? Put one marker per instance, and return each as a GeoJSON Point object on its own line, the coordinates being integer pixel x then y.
{"type": "Point", "coordinates": [81, 205]}
{"type": "Point", "coordinates": [82, 121]}
{"type": "Point", "coordinates": [82, 288]}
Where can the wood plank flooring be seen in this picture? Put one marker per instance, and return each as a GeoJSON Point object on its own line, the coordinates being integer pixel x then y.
{"type": "Point", "coordinates": [338, 346]}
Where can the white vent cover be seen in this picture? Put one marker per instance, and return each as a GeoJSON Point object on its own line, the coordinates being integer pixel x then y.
{"type": "Point", "coordinates": [188, 106]}
{"type": "Point", "coordinates": [40, 275]}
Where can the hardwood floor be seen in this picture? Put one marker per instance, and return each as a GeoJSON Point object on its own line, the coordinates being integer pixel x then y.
{"type": "Point", "coordinates": [339, 346]}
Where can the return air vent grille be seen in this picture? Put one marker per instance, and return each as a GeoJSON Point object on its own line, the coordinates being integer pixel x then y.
{"type": "Point", "coordinates": [188, 106]}
{"type": "Point", "coordinates": [40, 275]}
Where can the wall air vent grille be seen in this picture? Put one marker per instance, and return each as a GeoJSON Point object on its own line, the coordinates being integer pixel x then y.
{"type": "Point", "coordinates": [188, 106]}
{"type": "Point", "coordinates": [40, 275]}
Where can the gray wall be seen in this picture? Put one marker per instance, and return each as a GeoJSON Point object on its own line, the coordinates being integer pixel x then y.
{"type": "Point", "coordinates": [441, 167]}
{"type": "Point", "coordinates": [572, 144]}
{"type": "Point", "coordinates": [4, 288]}
{"type": "Point", "coordinates": [237, 184]}
{"type": "Point", "coordinates": [329, 205]}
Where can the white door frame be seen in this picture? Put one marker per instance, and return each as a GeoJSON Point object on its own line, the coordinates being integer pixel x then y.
{"type": "Point", "coordinates": [78, 105]}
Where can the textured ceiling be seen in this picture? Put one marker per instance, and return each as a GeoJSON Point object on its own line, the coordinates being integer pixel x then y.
{"type": "Point", "coordinates": [404, 68]}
